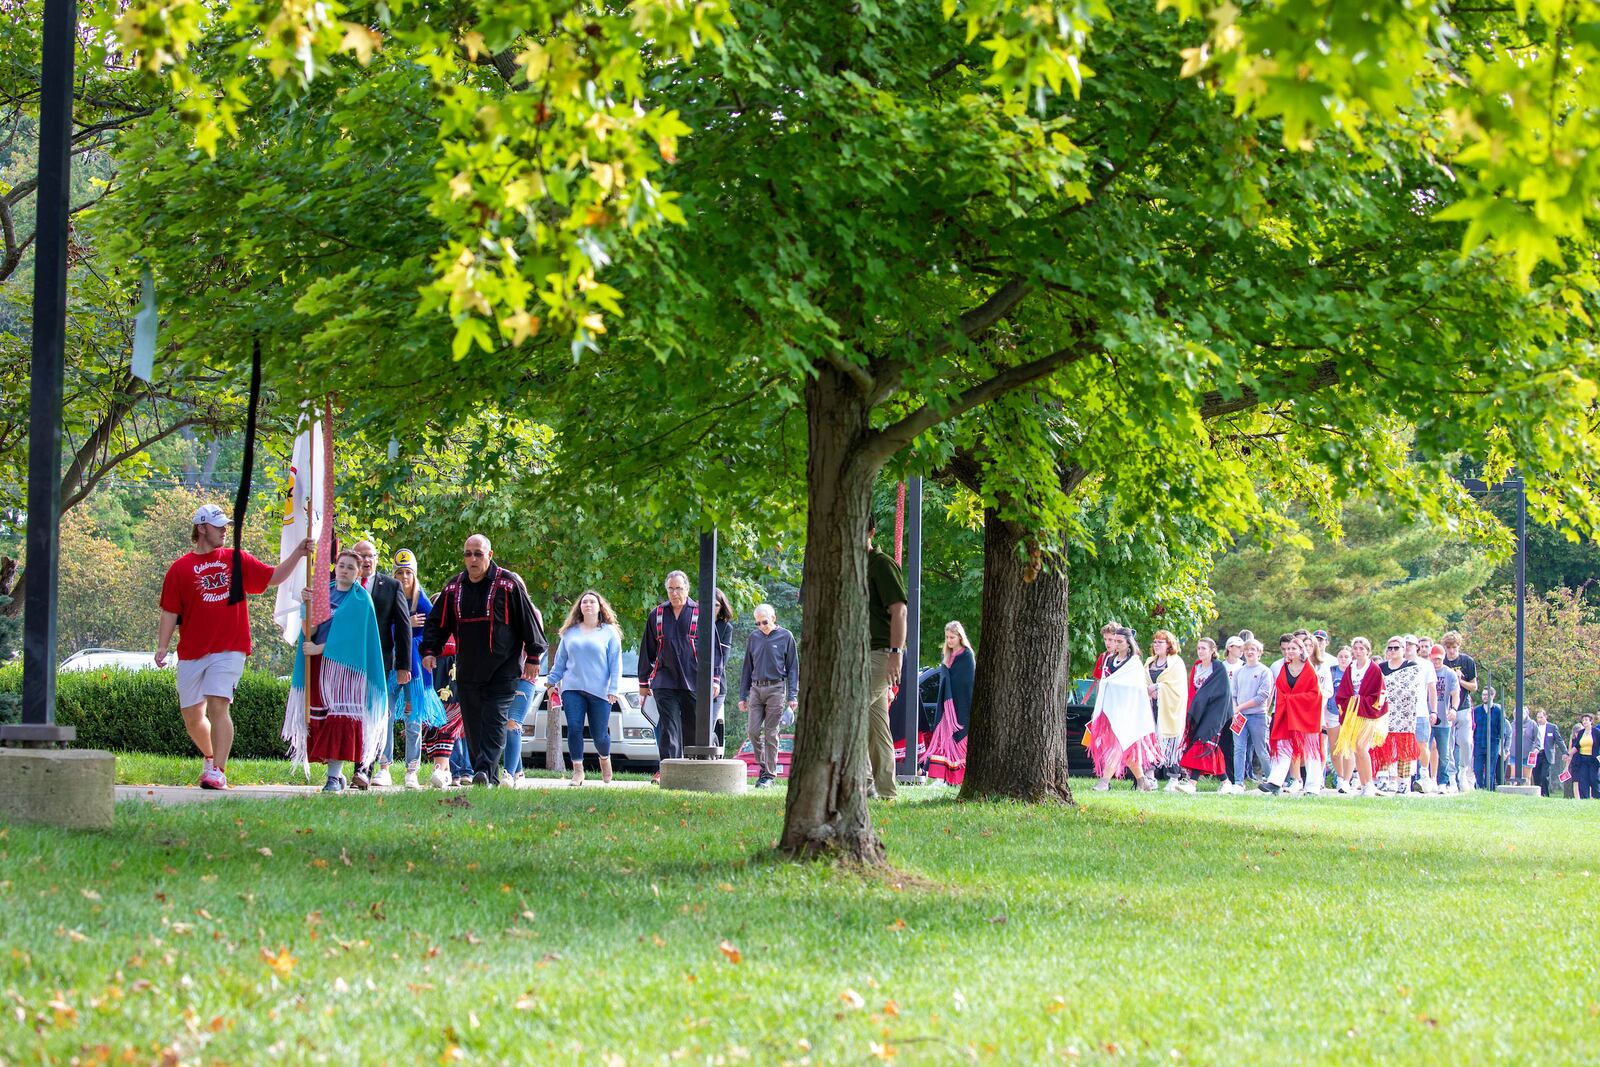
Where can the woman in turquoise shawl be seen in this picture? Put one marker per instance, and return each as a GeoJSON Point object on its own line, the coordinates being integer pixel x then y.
{"type": "Point", "coordinates": [339, 694]}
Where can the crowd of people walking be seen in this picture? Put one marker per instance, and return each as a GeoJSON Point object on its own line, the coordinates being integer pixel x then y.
{"type": "Point", "coordinates": [460, 672]}
{"type": "Point", "coordinates": [1414, 720]}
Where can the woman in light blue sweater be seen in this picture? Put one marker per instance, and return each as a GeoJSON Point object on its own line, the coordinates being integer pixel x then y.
{"type": "Point", "coordinates": [587, 673]}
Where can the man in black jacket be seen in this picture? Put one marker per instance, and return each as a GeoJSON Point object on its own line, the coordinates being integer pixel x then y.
{"type": "Point", "coordinates": [394, 632]}
{"type": "Point", "coordinates": [498, 638]}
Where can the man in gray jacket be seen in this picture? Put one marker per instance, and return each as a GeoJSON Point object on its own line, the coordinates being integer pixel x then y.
{"type": "Point", "coordinates": [769, 683]}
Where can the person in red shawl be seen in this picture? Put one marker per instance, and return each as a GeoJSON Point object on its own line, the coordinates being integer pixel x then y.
{"type": "Point", "coordinates": [1296, 720]}
{"type": "Point", "coordinates": [1364, 713]}
{"type": "Point", "coordinates": [1210, 709]}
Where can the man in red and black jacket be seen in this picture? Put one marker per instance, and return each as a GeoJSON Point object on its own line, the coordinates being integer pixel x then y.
{"type": "Point", "coordinates": [669, 662]}
{"type": "Point", "coordinates": [499, 638]}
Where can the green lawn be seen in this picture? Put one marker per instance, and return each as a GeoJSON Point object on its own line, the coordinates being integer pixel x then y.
{"type": "Point", "coordinates": [142, 768]}
{"type": "Point", "coordinates": [567, 927]}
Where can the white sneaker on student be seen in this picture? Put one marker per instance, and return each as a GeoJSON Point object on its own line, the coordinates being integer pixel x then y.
{"type": "Point", "coordinates": [1370, 791]}
{"type": "Point", "coordinates": [1172, 785]}
{"type": "Point", "coordinates": [411, 780]}
{"type": "Point", "coordinates": [1186, 786]}
{"type": "Point", "coordinates": [439, 779]}
{"type": "Point", "coordinates": [382, 778]}
{"type": "Point", "coordinates": [1295, 788]}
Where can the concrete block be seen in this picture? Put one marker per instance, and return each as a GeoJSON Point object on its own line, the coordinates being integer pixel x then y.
{"type": "Point", "coordinates": [1518, 790]}
{"type": "Point", "coordinates": [72, 788]}
{"type": "Point", "coordinates": [705, 775]}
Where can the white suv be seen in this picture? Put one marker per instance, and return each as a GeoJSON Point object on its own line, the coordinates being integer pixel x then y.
{"type": "Point", "coordinates": [633, 725]}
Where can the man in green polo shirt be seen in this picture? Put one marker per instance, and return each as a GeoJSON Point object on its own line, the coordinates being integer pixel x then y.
{"type": "Point", "coordinates": [886, 621]}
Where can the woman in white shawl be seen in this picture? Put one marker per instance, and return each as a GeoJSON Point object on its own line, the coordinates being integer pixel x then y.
{"type": "Point", "coordinates": [1122, 730]}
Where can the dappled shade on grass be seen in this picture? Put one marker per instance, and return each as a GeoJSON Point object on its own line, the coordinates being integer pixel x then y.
{"type": "Point", "coordinates": [573, 925]}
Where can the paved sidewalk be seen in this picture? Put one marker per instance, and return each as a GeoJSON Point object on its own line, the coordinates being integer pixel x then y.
{"type": "Point", "coordinates": [166, 795]}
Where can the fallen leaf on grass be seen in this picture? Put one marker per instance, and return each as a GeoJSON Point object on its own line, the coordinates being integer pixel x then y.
{"type": "Point", "coordinates": [1056, 1004]}
{"type": "Point", "coordinates": [527, 1002]}
{"type": "Point", "coordinates": [282, 963]}
{"type": "Point", "coordinates": [73, 935]}
{"type": "Point", "coordinates": [727, 948]}
{"type": "Point", "coordinates": [265, 851]}
{"type": "Point", "coordinates": [852, 1000]}
{"type": "Point", "coordinates": [89, 894]}
{"type": "Point", "coordinates": [344, 857]}
{"type": "Point", "coordinates": [884, 1051]}
{"type": "Point", "coordinates": [891, 1008]}
{"type": "Point", "coordinates": [898, 924]}
{"type": "Point", "coordinates": [997, 920]}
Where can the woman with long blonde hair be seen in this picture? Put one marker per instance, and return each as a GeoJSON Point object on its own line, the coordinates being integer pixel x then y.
{"type": "Point", "coordinates": [947, 749]}
{"type": "Point", "coordinates": [587, 673]}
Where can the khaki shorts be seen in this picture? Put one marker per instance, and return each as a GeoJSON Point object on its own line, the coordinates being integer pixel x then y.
{"type": "Point", "coordinates": [216, 675]}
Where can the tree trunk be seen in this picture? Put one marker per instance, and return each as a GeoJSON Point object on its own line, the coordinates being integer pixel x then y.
{"type": "Point", "coordinates": [826, 809]}
{"type": "Point", "coordinates": [1017, 746]}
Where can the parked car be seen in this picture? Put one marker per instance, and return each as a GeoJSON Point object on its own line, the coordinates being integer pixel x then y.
{"type": "Point", "coordinates": [633, 725]}
{"type": "Point", "coordinates": [99, 659]}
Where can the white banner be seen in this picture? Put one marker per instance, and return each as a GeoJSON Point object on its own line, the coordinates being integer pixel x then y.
{"type": "Point", "coordinates": [305, 483]}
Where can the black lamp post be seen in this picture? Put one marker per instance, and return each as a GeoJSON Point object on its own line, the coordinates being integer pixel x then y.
{"type": "Point", "coordinates": [38, 727]}
{"type": "Point", "coordinates": [1516, 485]}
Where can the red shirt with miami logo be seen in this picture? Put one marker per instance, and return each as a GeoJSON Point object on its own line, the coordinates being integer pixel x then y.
{"type": "Point", "coordinates": [196, 591]}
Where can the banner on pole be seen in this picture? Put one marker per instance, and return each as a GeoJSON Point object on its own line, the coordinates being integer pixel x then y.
{"type": "Point", "coordinates": [307, 468]}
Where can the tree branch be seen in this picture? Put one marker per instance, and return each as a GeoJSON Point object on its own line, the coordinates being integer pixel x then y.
{"type": "Point", "coordinates": [76, 496]}
{"type": "Point", "coordinates": [1214, 405]}
{"type": "Point", "coordinates": [892, 438]}
{"type": "Point", "coordinates": [863, 378]}
{"type": "Point", "coordinates": [973, 321]}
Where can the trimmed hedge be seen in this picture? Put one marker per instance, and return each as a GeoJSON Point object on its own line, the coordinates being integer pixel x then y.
{"type": "Point", "coordinates": [138, 711]}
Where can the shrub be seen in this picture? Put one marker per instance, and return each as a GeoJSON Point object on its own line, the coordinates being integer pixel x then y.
{"type": "Point", "coordinates": [138, 711]}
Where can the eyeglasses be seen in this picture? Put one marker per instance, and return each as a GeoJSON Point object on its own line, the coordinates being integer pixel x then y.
{"type": "Point", "coordinates": [472, 553]}
{"type": "Point", "coordinates": [765, 623]}
{"type": "Point", "coordinates": [1393, 648]}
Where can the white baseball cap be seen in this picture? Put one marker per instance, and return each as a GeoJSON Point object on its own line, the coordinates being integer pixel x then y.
{"type": "Point", "coordinates": [1234, 641]}
{"type": "Point", "coordinates": [210, 515]}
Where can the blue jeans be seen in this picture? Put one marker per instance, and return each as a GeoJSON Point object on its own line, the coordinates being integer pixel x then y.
{"type": "Point", "coordinates": [460, 761]}
{"type": "Point", "coordinates": [413, 731]}
{"type": "Point", "coordinates": [521, 704]}
{"type": "Point", "coordinates": [579, 706]}
{"type": "Point", "coordinates": [1446, 771]}
{"type": "Point", "coordinates": [1252, 740]}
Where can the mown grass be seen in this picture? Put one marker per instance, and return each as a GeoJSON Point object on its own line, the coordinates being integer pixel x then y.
{"type": "Point", "coordinates": [143, 768]}
{"type": "Point", "coordinates": [568, 927]}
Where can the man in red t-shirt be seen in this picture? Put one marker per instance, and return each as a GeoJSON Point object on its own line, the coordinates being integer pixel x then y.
{"type": "Point", "coordinates": [215, 635]}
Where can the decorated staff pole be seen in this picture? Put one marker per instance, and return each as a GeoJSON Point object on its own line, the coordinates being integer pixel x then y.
{"type": "Point", "coordinates": [908, 702]}
{"type": "Point", "coordinates": [700, 745]}
{"type": "Point", "coordinates": [38, 726]}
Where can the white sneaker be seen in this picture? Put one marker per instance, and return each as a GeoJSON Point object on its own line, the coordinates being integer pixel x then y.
{"type": "Point", "coordinates": [1294, 787]}
{"type": "Point", "coordinates": [1225, 789]}
{"type": "Point", "coordinates": [1187, 786]}
{"type": "Point", "coordinates": [1427, 785]}
{"type": "Point", "coordinates": [1172, 785]}
{"type": "Point", "coordinates": [411, 780]}
{"type": "Point", "coordinates": [1343, 786]}
{"type": "Point", "coordinates": [382, 778]}
{"type": "Point", "coordinates": [1370, 791]}
{"type": "Point", "coordinates": [1314, 790]}
{"type": "Point", "coordinates": [439, 780]}
{"type": "Point", "coordinates": [1449, 789]}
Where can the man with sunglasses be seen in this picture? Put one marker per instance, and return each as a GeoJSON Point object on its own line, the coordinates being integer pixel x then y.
{"type": "Point", "coordinates": [768, 683]}
{"type": "Point", "coordinates": [499, 638]}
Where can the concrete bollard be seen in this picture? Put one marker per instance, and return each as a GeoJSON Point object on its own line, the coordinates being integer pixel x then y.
{"type": "Point", "coordinates": [73, 788]}
{"type": "Point", "coordinates": [705, 775]}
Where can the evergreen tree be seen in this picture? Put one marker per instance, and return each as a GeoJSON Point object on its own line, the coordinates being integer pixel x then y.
{"type": "Point", "coordinates": [1384, 576]}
